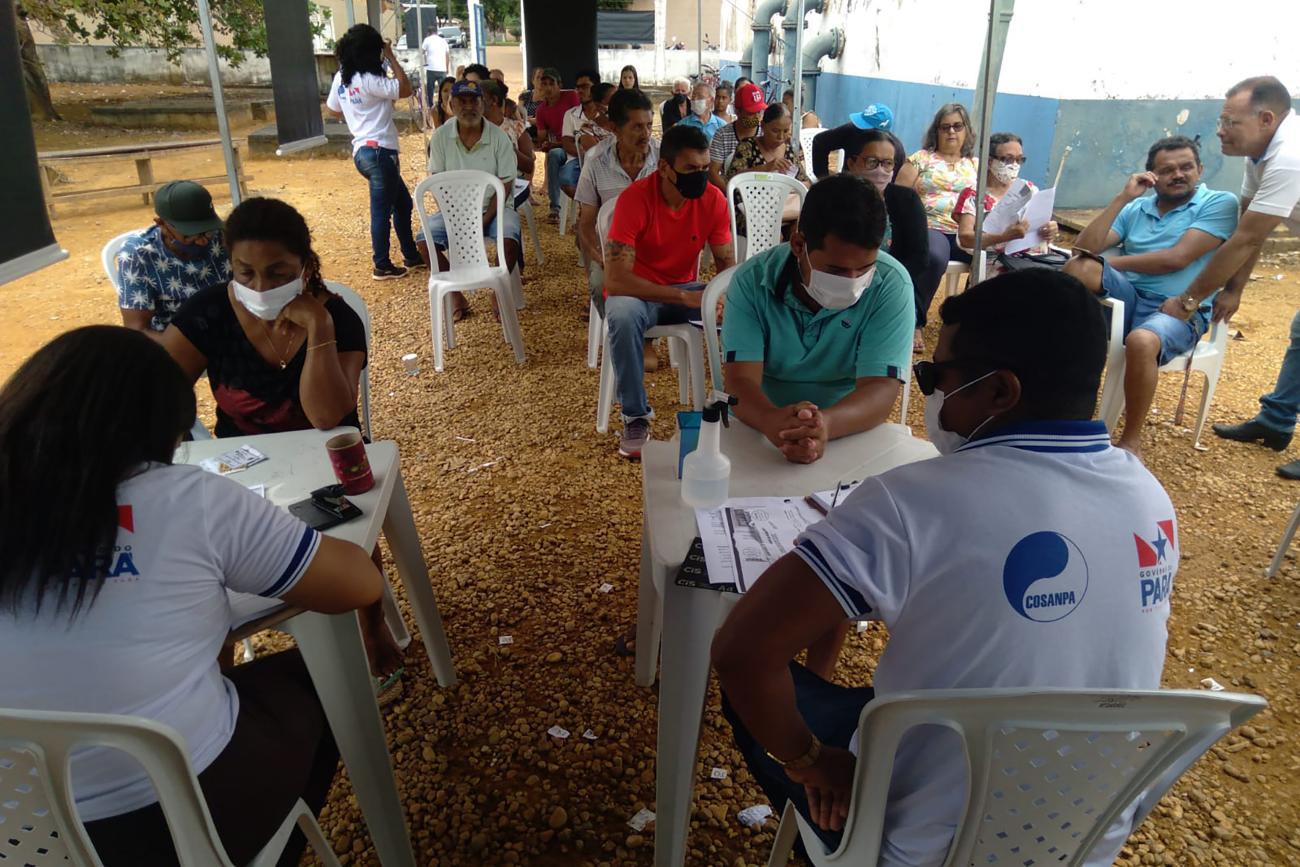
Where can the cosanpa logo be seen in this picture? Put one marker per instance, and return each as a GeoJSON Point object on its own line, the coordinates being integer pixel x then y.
{"type": "Point", "coordinates": [1045, 577]}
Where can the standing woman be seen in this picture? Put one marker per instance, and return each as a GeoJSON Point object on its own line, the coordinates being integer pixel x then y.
{"type": "Point", "coordinates": [363, 95]}
{"type": "Point", "coordinates": [628, 79]}
{"type": "Point", "coordinates": [944, 166]}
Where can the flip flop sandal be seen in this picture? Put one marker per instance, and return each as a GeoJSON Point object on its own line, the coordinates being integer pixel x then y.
{"type": "Point", "coordinates": [389, 689]}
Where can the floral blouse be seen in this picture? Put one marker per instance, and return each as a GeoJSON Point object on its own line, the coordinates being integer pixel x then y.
{"type": "Point", "coordinates": [939, 185]}
{"type": "Point", "coordinates": [749, 156]}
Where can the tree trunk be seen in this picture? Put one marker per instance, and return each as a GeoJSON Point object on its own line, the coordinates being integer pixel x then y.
{"type": "Point", "coordinates": [34, 81]}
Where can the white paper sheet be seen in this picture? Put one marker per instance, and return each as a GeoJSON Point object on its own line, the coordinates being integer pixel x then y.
{"type": "Point", "coordinates": [1007, 210]}
{"type": "Point", "coordinates": [1037, 214]}
{"type": "Point", "coordinates": [746, 535]}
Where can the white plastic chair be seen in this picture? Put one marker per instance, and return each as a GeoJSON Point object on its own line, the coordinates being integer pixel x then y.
{"type": "Point", "coordinates": [529, 216]}
{"type": "Point", "coordinates": [683, 347]}
{"type": "Point", "coordinates": [358, 306]}
{"type": "Point", "coordinates": [806, 137]}
{"type": "Point", "coordinates": [763, 196]}
{"type": "Point", "coordinates": [1285, 544]}
{"type": "Point", "coordinates": [460, 195]}
{"type": "Point", "coordinates": [1207, 357]}
{"type": "Point", "coordinates": [38, 807]}
{"type": "Point", "coordinates": [952, 276]}
{"type": "Point", "coordinates": [1049, 771]}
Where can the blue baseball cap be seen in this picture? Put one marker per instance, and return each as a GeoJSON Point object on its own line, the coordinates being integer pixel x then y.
{"type": "Point", "coordinates": [875, 116]}
{"type": "Point", "coordinates": [465, 87]}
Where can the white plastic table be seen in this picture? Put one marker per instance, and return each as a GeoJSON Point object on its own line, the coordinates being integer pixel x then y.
{"type": "Point", "coordinates": [690, 616]}
{"type": "Point", "coordinates": [331, 644]}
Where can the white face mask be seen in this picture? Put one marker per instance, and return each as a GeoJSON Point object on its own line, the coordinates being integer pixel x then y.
{"type": "Point", "coordinates": [267, 305]}
{"type": "Point", "coordinates": [1005, 172]}
{"type": "Point", "coordinates": [700, 106]}
{"type": "Point", "coordinates": [833, 291]}
{"type": "Point", "coordinates": [945, 441]}
{"type": "Point", "coordinates": [879, 177]}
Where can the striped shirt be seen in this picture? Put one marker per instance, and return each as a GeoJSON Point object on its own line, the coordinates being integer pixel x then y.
{"type": "Point", "coordinates": [724, 144]}
{"type": "Point", "coordinates": [603, 176]}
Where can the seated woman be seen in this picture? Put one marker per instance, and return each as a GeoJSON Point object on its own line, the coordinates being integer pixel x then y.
{"type": "Point", "coordinates": [810, 119]}
{"type": "Point", "coordinates": [1006, 156]}
{"type": "Point", "coordinates": [770, 151]}
{"type": "Point", "coordinates": [943, 167]}
{"type": "Point", "coordinates": [114, 595]}
{"type": "Point", "coordinates": [282, 352]}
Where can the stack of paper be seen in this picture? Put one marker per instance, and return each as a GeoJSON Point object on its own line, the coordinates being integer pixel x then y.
{"type": "Point", "coordinates": [746, 535]}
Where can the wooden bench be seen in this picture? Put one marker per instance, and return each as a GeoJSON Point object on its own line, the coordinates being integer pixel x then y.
{"type": "Point", "coordinates": [143, 155]}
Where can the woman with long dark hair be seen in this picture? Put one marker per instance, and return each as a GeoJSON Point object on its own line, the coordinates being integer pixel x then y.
{"type": "Point", "coordinates": [363, 96]}
{"type": "Point", "coordinates": [442, 110]}
{"type": "Point", "coordinates": [628, 79]}
{"type": "Point", "coordinates": [113, 594]}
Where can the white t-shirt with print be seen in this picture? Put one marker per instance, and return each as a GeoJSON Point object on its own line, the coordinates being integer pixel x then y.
{"type": "Point", "coordinates": [1038, 556]}
{"type": "Point", "coordinates": [367, 106]}
{"type": "Point", "coordinates": [147, 645]}
{"type": "Point", "coordinates": [1273, 183]}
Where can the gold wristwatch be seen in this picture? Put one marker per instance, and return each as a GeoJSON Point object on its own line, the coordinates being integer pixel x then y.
{"type": "Point", "coordinates": [807, 760]}
{"type": "Point", "coordinates": [1188, 303]}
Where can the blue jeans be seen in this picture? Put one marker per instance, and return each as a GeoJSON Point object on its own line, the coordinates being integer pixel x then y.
{"type": "Point", "coordinates": [556, 159]}
{"type": "Point", "coordinates": [389, 200]}
{"type": "Point", "coordinates": [1142, 310]}
{"type": "Point", "coordinates": [1278, 408]}
{"type": "Point", "coordinates": [831, 711]}
{"type": "Point", "coordinates": [629, 319]}
{"type": "Point", "coordinates": [438, 229]}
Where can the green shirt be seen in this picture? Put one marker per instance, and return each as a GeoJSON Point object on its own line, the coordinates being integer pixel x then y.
{"type": "Point", "coordinates": [492, 153]}
{"type": "Point", "coordinates": [819, 356]}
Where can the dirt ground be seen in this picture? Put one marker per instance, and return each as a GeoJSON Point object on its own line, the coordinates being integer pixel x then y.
{"type": "Point", "coordinates": [524, 512]}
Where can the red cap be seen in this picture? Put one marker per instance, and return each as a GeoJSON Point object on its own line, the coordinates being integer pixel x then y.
{"type": "Point", "coordinates": [749, 98]}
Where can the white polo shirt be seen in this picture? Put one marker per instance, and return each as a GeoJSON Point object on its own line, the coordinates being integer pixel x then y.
{"type": "Point", "coordinates": [147, 645]}
{"type": "Point", "coordinates": [1037, 556]}
{"type": "Point", "coordinates": [1273, 182]}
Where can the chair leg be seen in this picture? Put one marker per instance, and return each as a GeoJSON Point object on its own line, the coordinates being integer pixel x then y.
{"type": "Point", "coordinates": [1285, 543]}
{"type": "Point", "coordinates": [537, 241]}
{"type": "Point", "coordinates": [593, 335]}
{"type": "Point", "coordinates": [510, 317]}
{"type": "Point", "coordinates": [695, 362]}
{"type": "Point", "coordinates": [676, 349]}
{"type": "Point", "coordinates": [1211, 380]}
{"type": "Point", "coordinates": [605, 391]}
{"type": "Point", "coordinates": [517, 287]}
{"type": "Point", "coordinates": [564, 214]}
{"type": "Point", "coordinates": [436, 312]}
{"type": "Point", "coordinates": [786, 833]}
{"type": "Point", "coordinates": [393, 617]}
{"type": "Point", "coordinates": [316, 840]}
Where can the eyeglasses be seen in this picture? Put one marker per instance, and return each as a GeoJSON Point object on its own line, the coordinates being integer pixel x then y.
{"type": "Point", "coordinates": [952, 127]}
{"type": "Point", "coordinates": [927, 372]}
{"type": "Point", "coordinates": [872, 164]}
{"type": "Point", "coordinates": [1224, 123]}
{"type": "Point", "coordinates": [1020, 160]}
{"type": "Point", "coordinates": [1170, 171]}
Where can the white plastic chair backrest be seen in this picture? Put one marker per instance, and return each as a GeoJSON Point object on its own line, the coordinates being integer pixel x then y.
{"type": "Point", "coordinates": [38, 807]}
{"type": "Point", "coordinates": [715, 291]}
{"type": "Point", "coordinates": [1049, 770]}
{"type": "Point", "coordinates": [358, 305]}
{"type": "Point", "coordinates": [108, 256]}
{"type": "Point", "coordinates": [806, 137]}
{"type": "Point", "coordinates": [764, 196]}
{"type": "Point", "coordinates": [460, 195]}
{"type": "Point", "coordinates": [604, 217]}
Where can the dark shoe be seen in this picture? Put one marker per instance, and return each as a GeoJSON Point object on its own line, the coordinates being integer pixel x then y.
{"type": "Point", "coordinates": [636, 434]}
{"type": "Point", "coordinates": [389, 272]}
{"type": "Point", "coordinates": [412, 265]}
{"type": "Point", "coordinates": [1252, 431]}
{"type": "Point", "coordinates": [1290, 471]}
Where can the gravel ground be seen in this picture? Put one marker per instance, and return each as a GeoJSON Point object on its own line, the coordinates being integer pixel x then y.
{"type": "Point", "coordinates": [524, 512]}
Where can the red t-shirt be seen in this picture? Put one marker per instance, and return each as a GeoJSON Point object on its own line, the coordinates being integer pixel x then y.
{"type": "Point", "coordinates": [667, 242]}
{"type": "Point", "coordinates": [550, 118]}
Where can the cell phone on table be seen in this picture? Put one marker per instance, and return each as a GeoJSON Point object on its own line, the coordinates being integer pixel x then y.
{"type": "Point", "coordinates": [325, 508]}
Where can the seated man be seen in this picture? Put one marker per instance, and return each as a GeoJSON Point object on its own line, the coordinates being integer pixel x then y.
{"type": "Point", "coordinates": [553, 103]}
{"type": "Point", "coordinates": [661, 224]}
{"type": "Point", "coordinates": [998, 564]}
{"type": "Point", "coordinates": [818, 332]}
{"type": "Point", "coordinates": [750, 106]}
{"type": "Point", "coordinates": [494, 111]}
{"type": "Point", "coordinates": [585, 127]}
{"type": "Point", "coordinates": [702, 116]}
{"type": "Point", "coordinates": [1167, 239]}
{"type": "Point", "coordinates": [180, 255]}
{"type": "Point", "coordinates": [468, 141]}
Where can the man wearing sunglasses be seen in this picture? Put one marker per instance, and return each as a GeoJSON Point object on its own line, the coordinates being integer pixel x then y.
{"type": "Point", "coordinates": [1164, 241]}
{"type": "Point", "coordinates": [180, 255]}
{"type": "Point", "coordinates": [1031, 553]}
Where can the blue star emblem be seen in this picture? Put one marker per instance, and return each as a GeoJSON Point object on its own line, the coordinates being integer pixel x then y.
{"type": "Point", "coordinates": [1159, 543]}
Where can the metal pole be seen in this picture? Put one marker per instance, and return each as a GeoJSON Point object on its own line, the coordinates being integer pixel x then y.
{"type": "Point", "coordinates": [419, 35]}
{"type": "Point", "coordinates": [218, 99]}
{"type": "Point", "coordinates": [995, 41]}
{"type": "Point", "coordinates": [797, 121]}
{"type": "Point", "coordinates": [699, 38]}
{"type": "Point", "coordinates": [350, 5]}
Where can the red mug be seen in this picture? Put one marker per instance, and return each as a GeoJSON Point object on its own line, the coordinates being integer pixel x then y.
{"type": "Point", "coordinates": [351, 466]}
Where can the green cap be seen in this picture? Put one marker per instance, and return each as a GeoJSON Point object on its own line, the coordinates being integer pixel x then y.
{"type": "Point", "coordinates": [186, 207]}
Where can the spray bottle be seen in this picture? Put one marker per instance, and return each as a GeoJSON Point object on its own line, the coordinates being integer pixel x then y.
{"type": "Point", "coordinates": [706, 472]}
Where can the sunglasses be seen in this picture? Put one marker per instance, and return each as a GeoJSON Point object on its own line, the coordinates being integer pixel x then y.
{"type": "Point", "coordinates": [927, 372]}
{"type": "Point", "coordinates": [952, 127]}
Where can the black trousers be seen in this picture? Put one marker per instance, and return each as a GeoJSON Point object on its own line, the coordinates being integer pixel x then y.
{"type": "Point", "coordinates": [943, 248]}
{"type": "Point", "coordinates": [281, 750]}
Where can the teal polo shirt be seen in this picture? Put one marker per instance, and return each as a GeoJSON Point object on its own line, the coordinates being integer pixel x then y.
{"type": "Point", "coordinates": [819, 356]}
{"type": "Point", "coordinates": [712, 125]}
{"type": "Point", "coordinates": [1143, 229]}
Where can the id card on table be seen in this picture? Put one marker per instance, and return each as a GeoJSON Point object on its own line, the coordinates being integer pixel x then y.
{"type": "Point", "coordinates": [234, 461]}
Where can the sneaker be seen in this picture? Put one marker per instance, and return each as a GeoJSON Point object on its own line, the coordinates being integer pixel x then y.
{"type": "Point", "coordinates": [413, 265]}
{"type": "Point", "coordinates": [636, 433]}
{"type": "Point", "coordinates": [388, 272]}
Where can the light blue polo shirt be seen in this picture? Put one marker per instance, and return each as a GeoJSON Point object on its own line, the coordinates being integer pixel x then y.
{"type": "Point", "coordinates": [1142, 229]}
{"type": "Point", "coordinates": [712, 125]}
{"type": "Point", "coordinates": [819, 356]}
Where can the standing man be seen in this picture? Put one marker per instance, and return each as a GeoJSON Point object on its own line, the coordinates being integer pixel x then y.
{"type": "Point", "coordinates": [750, 106]}
{"type": "Point", "coordinates": [552, 103]}
{"type": "Point", "coordinates": [661, 224]}
{"type": "Point", "coordinates": [1258, 122]}
{"type": "Point", "coordinates": [437, 60]}
{"type": "Point", "coordinates": [702, 116]}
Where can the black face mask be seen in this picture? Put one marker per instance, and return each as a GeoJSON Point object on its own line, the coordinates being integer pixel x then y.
{"type": "Point", "coordinates": [679, 97]}
{"type": "Point", "coordinates": [691, 184]}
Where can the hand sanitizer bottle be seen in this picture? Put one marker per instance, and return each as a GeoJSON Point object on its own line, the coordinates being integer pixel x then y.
{"type": "Point", "coordinates": [706, 472]}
